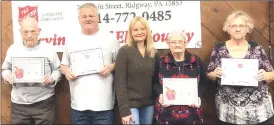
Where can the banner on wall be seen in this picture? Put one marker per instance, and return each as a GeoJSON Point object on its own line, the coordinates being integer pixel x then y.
{"type": "Point", "coordinates": [58, 20]}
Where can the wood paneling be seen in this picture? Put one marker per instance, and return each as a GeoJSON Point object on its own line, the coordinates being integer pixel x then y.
{"type": "Point", "coordinates": [213, 15]}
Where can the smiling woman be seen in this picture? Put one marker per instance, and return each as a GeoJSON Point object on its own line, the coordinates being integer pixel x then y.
{"type": "Point", "coordinates": [133, 74]}
{"type": "Point", "coordinates": [235, 104]}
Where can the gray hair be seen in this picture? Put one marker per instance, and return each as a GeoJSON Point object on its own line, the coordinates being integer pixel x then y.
{"type": "Point", "coordinates": [88, 5]}
{"type": "Point", "coordinates": [239, 13]}
{"type": "Point", "coordinates": [176, 33]}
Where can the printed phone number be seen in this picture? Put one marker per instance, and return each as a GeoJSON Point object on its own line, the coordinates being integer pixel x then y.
{"type": "Point", "coordinates": [125, 16]}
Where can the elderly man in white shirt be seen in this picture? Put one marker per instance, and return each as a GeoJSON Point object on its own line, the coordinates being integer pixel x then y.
{"type": "Point", "coordinates": [32, 102]}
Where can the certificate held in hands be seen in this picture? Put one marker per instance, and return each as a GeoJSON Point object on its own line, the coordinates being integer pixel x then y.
{"type": "Point", "coordinates": [239, 72]}
{"type": "Point", "coordinates": [28, 69]}
{"type": "Point", "coordinates": [180, 91]}
{"type": "Point", "coordinates": [87, 62]}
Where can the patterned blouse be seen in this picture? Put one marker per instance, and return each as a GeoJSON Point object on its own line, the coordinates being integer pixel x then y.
{"type": "Point", "coordinates": [238, 104]}
{"type": "Point", "coordinates": [167, 67]}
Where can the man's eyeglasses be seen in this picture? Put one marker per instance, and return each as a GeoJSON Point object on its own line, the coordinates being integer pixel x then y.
{"type": "Point", "coordinates": [32, 32]}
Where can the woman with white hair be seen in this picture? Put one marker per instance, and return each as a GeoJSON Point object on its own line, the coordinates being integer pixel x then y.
{"type": "Point", "coordinates": [241, 104]}
{"type": "Point", "coordinates": [178, 63]}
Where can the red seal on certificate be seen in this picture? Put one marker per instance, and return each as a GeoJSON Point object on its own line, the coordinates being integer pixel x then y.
{"type": "Point", "coordinates": [240, 65]}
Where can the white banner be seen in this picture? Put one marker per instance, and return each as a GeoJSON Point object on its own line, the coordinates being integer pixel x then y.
{"type": "Point", "coordinates": [59, 19]}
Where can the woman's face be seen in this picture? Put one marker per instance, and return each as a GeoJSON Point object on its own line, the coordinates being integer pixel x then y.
{"type": "Point", "coordinates": [177, 44]}
{"type": "Point", "coordinates": [139, 32]}
{"type": "Point", "coordinates": [238, 29]}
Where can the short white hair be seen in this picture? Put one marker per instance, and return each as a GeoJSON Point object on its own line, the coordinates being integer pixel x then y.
{"type": "Point", "coordinates": [176, 33]}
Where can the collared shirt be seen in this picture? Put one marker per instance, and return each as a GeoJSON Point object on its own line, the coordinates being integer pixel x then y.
{"type": "Point", "coordinates": [238, 104]}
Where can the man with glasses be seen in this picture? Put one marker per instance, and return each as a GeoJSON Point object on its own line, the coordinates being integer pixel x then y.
{"type": "Point", "coordinates": [32, 102]}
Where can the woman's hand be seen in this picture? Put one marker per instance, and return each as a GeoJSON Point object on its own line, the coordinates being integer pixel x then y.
{"type": "Point", "coordinates": [161, 101]}
{"type": "Point", "coordinates": [217, 73]}
{"type": "Point", "coordinates": [126, 120]}
{"type": "Point", "coordinates": [196, 104]}
{"type": "Point", "coordinates": [263, 75]}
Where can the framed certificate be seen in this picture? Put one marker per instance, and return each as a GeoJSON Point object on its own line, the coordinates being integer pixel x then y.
{"type": "Point", "coordinates": [180, 91]}
{"type": "Point", "coordinates": [87, 61]}
{"type": "Point", "coordinates": [239, 72]}
{"type": "Point", "coordinates": [28, 69]}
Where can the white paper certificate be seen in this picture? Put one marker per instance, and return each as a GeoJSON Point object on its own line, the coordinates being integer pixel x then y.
{"type": "Point", "coordinates": [87, 61]}
{"type": "Point", "coordinates": [28, 69]}
{"type": "Point", "coordinates": [180, 91]}
{"type": "Point", "coordinates": [239, 72]}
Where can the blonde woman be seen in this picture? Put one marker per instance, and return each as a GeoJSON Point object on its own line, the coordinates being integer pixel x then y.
{"type": "Point", "coordinates": [133, 74]}
{"type": "Point", "coordinates": [239, 104]}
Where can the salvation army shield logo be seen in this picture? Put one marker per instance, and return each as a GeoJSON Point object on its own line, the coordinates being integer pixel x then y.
{"type": "Point", "coordinates": [27, 11]}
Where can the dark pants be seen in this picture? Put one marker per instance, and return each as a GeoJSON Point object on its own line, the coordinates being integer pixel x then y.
{"type": "Point", "coordinates": [267, 122]}
{"type": "Point", "coordinates": [42, 112]}
{"type": "Point", "coordinates": [92, 117]}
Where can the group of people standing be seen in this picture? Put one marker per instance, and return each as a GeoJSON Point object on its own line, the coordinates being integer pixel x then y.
{"type": "Point", "coordinates": [133, 74]}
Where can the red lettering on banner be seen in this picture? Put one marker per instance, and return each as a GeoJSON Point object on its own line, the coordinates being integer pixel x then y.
{"type": "Point", "coordinates": [189, 36]}
{"type": "Point", "coordinates": [120, 36]}
{"type": "Point", "coordinates": [55, 40]}
{"type": "Point", "coordinates": [157, 37]}
{"type": "Point", "coordinates": [160, 37]}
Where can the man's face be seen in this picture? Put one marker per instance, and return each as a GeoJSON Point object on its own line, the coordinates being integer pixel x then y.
{"type": "Point", "coordinates": [29, 33]}
{"type": "Point", "coordinates": [88, 18]}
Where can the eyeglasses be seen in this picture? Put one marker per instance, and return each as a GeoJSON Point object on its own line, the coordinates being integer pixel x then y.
{"type": "Point", "coordinates": [32, 32]}
{"type": "Point", "coordinates": [174, 42]}
{"type": "Point", "coordinates": [234, 26]}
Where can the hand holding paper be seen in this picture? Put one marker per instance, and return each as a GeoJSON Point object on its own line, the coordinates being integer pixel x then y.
{"type": "Point", "coordinates": [263, 75]}
{"type": "Point", "coordinates": [106, 70]}
{"type": "Point", "coordinates": [196, 104]}
{"type": "Point", "coordinates": [48, 80]}
{"type": "Point", "coordinates": [70, 76]}
{"type": "Point", "coordinates": [218, 72]}
{"type": "Point", "coordinates": [8, 79]}
{"type": "Point", "coordinates": [161, 101]}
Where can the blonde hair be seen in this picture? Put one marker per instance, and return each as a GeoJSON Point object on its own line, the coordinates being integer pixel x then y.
{"type": "Point", "coordinates": [149, 43]}
{"type": "Point", "coordinates": [88, 5]}
{"type": "Point", "coordinates": [239, 13]}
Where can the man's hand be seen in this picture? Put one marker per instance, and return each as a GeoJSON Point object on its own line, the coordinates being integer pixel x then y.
{"type": "Point", "coordinates": [70, 76]}
{"type": "Point", "coordinates": [106, 70]}
{"type": "Point", "coordinates": [8, 79]}
{"type": "Point", "coordinates": [48, 80]}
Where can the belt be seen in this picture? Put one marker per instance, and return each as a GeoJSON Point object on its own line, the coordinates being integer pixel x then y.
{"type": "Point", "coordinates": [28, 85]}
